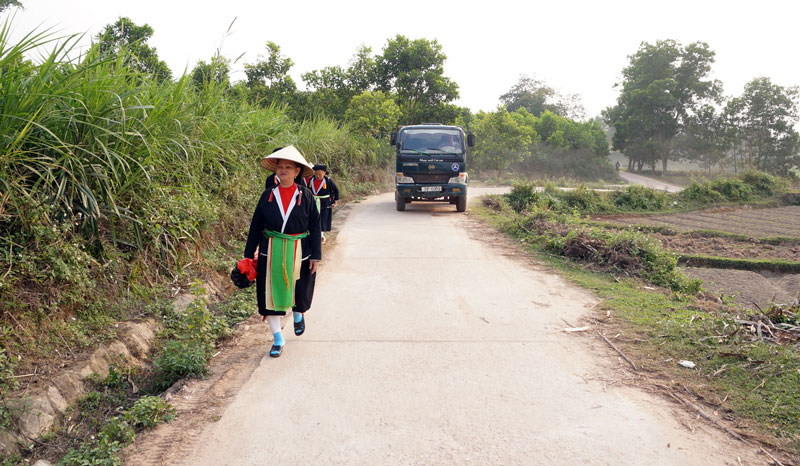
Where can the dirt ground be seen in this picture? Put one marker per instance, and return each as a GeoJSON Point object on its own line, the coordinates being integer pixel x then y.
{"type": "Point", "coordinates": [728, 247]}
{"type": "Point", "coordinates": [748, 287]}
{"type": "Point", "coordinates": [757, 223]}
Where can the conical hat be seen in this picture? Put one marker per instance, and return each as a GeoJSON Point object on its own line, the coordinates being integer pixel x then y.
{"type": "Point", "coordinates": [287, 153]}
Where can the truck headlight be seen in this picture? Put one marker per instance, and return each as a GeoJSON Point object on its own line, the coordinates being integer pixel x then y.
{"type": "Point", "coordinates": [404, 179]}
{"type": "Point", "coordinates": [460, 179]}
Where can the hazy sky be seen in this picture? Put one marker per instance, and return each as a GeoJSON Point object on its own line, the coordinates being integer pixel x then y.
{"type": "Point", "coordinates": [575, 46]}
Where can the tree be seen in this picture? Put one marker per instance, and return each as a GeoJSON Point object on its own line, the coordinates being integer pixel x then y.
{"type": "Point", "coordinates": [705, 137]}
{"type": "Point", "coordinates": [9, 3]}
{"type": "Point", "coordinates": [331, 88]}
{"type": "Point", "coordinates": [125, 36]}
{"type": "Point", "coordinates": [663, 85]}
{"type": "Point", "coordinates": [414, 71]}
{"type": "Point", "coordinates": [216, 71]}
{"type": "Point", "coordinates": [763, 120]}
{"type": "Point", "coordinates": [501, 140]}
{"type": "Point", "coordinates": [269, 78]}
{"type": "Point", "coordinates": [536, 97]}
{"type": "Point", "coordinates": [362, 72]}
{"type": "Point", "coordinates": [373, 113]}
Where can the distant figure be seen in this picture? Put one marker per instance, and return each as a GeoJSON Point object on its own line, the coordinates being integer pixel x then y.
{"type": "Point", "coordinates": [326, 194]}
{"type": "Point", "coordinates": [616, 165]}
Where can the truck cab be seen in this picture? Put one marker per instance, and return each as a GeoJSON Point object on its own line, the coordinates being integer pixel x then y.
{"type": "Point", "coordinates": [431, 164]}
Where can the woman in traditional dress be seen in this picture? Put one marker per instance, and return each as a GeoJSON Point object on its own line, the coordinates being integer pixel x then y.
{"type": "Point", "coordinates": [326, 193]}
{"type": "Point", "coordinates": [286, 231]}
{"type": "Point", "coordinates": [272, 181]}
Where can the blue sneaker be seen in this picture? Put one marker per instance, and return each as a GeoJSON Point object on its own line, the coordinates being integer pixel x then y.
{"type": "Point", "coordinates": [300, 327]}
{"type": "Point", "coordinates": [276, 351]}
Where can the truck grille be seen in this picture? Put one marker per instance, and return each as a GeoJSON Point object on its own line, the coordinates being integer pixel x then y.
{"type": "Point", "coordinates": [441, 179]}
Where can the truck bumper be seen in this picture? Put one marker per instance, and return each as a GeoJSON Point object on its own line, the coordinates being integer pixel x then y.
{"type": "Point", "coordinates": [422, 192]}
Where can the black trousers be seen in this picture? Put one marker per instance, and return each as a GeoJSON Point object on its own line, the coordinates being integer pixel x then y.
{"type": "Point", "coordinates": [325, 218]}
{"type": "Point", "coordinates": [304, 288]}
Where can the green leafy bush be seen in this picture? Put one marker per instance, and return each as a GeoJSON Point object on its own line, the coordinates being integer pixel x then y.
{"type": "Point", "coordinates": [102, 449]}
{"type": "Point", "coordinates": [522, 196]}
{"type": "Point", "coordinates": [148, 412]}
{"type": "Point", "coordinates": [635, 197]}
{"type": "Point", "coordinates": [7, 384]}
{"type": "Point", "coordinates": [585, 200]}
{"type": "Point", "coordinates": [701, 192]}
{"type": "Point", "coordinates": [733, 189]}
{"type": "Point", "coordinates": [761, 183]}
{"type": "Point", "coordinates": [181, 358]}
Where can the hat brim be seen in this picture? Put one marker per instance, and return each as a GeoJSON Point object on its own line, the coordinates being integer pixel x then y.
{"type": "Point", "coordinates": [291, 154]}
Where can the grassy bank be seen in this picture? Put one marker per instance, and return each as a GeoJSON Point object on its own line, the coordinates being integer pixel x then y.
{"type": "Point", "coordinates": [115, 186]}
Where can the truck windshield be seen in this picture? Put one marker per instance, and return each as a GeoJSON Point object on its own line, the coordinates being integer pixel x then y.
{"type": "Point", "coordinates": [431, 140]}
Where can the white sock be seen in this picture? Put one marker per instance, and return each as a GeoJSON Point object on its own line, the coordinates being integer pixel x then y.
{"type": "Point", "coordinates": [274, 323]}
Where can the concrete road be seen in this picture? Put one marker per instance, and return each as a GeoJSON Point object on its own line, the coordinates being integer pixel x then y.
{"type": "Point", "coordinates": [649, 182]}
{"type": "Point", "coordinates": [428, 345]}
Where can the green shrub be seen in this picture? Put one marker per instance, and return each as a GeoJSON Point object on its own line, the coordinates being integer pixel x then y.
{"type": "Point", "coordinates": [148, 412]}
{"type": "Point", "coordinates": [733, 189]}
{"type": "Point", "coordinates": [701, 192]}
{"type": "Point", "coordinates": [585, 200]}
{"type": "Point", "coordinates": [7, 384]}
{"type": "Point", "coordinates": [640, 198]}
{"type": "Point", "coordinates": [102, 449]}
{"type": "Point", "coordinates": [522, 196]}
{"type": "Point", "coordinates": [181, 358]}
{"type": "Point", "coordinates": [11, 460]}
{"type": "Point", "coordinates": [761, 183]}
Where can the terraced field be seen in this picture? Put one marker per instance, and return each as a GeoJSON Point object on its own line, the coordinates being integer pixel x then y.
{"type": "Point", "coordinates": [755, 223]}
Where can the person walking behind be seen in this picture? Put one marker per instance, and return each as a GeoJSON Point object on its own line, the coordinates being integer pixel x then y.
{"type": "Point", "coordinates": [326, 192]}
{"type": "Point", "coordinates": [286, 231]}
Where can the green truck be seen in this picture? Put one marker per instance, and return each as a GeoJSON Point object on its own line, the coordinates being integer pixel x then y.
{"type": "Point", "coordinates": [431, 164]}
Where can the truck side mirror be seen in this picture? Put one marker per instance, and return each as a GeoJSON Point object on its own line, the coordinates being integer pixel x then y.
{"type": "Point", "coordinates": [393, 139]}
{"type": "Point", "coordinates": [471, 140]}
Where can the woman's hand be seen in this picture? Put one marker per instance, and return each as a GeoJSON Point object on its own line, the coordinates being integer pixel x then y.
{"type": "Point", "coordinates": [263, 318]}
{"type": "Point", "coordinates": [314, 265]}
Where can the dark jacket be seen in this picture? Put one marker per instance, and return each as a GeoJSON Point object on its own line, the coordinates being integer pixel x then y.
{"type": "Point", "coordinates": [302, 218]}
{"type": "Point", "coordinates": [330, 189]}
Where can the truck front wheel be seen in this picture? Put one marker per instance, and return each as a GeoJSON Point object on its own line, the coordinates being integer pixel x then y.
{"type": "Point", "coordinates": [461, 203]}
{"type": "Point", "coordinates": [400, 203]}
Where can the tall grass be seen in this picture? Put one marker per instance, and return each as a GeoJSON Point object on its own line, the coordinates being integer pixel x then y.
{"type": "Point", "coordinates": [107, 177]}
{"type": "Point", "coordinates": [92, 139]}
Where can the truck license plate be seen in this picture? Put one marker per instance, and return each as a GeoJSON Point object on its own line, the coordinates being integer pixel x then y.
{"type": "Point", "coordinates": [430, 189]}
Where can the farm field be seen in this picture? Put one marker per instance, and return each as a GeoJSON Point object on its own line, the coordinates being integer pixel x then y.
{"type": "Point", "coordinates": [747, 288]}
{"type": "Point", "coordinates": [755, 223]}
{"type": "Point", "coordinates": [734, 248]}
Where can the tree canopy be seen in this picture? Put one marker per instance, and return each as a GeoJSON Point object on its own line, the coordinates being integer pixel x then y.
{"type": "Point", "coordinates": [762, 120]}
{"type": "Point", "coordinates": [216, 71]}
{"type": "Point", "coordinates": [269, 78]}
{"type": "Point", "coordinates": [125, 35]}
{"type": "Point", "coordinates": [9, 3]}
{"type": "Point", "coordinates": [536, 96]}
{"type": "Point", "coordinates": [663, 86]}
{"type": "Point", "coordinates": [414, 71]}
{"type": "Point", "coordinates": [373, 113]}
